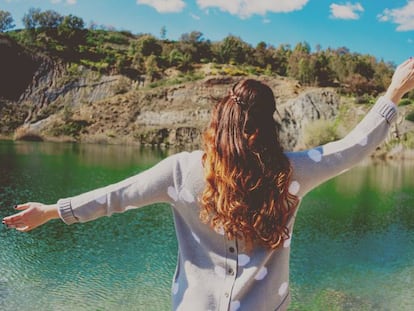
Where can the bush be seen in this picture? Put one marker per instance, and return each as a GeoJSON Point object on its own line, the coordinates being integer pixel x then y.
{"type": "Point", "coordinates": [71, 128]}
{"type": "Point", "coordinates": [410, 116]}
{"type": "Point", "coordinates": [122, 86]}
{"type": "Point", "coordinates": [28, 134]}
{"type": "Point", "coordinates": [405, 102]}
{"type": "Point", "coordinates": [364, 99]}
{"type": "Point", "coordinates": [319, 132]}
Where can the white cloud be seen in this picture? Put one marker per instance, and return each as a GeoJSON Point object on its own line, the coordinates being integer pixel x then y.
{"type": "Point", "coordinates": [403, 17]}
{"type": "Point", "coordinates": [69, 2]}
{"type": "Point", "coordinates": [164, 6]}
{"type": "Point", "coordinates": [346, 11]}
{"type": "Point", "coordinates": [196, 17]}
{"type": "Point", "coordinates": [246, 8]}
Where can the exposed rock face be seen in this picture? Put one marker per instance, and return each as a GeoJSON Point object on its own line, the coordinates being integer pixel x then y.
{"type": "Point", "coordinates": [182, 112]}
{"type": "Point", "coordinates": [18, 68]}
{"type": "Point", "coordinates": [296, 113]}
{"type": "Point", "coordinates": [61, 100]}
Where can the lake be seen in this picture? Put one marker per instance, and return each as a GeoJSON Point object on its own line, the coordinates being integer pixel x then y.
{"type": "Point", "coordinates": [352, 248]}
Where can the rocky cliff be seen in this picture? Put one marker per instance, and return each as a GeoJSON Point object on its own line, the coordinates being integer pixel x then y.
{"type": "Point", "coordinates": [42, 98]}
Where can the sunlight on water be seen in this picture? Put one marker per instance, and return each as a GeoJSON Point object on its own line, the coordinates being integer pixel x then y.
{"type": "Point", "coordinates": [353, 245]}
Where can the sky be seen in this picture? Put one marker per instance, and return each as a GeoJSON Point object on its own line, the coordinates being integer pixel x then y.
{"type": "Point", "coordinates": [384, 29]}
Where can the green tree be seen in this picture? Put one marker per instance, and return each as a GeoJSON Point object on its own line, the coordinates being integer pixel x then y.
{"type": "Point", "coordinates": [49, 19]}
{"type": "Point", "coordinates": [261, 55]}
{"type": "Point", "coordinates": [148, 45]}
{"type": "Point", "coordinates": [194, 46]}
{"type": "Point", "coordinates": [305, 72]}
{"type": "Point", "coordinates": [72, 22]}
{"type": "Point", "coordinates": [323, 74]}
{"type": "Point", "coordinates": [31, 19]}
{"type": "Point", "coordinates": [151, 67]}
{"type": "Point", "coordinates": [71, 36]}
{"type": "Point", "coordinates": [234, 49]}
{"type": "Point", "coordinates": [35, 18]}
{"type": "Point", "coordinates": [6, 21]}
{"type": "Point", "coordinates": [382, 75]}
{"type": "Point", "coordinates": [163, 32]}
{"type": "Point", "coordinates": [299, 63]}
{"type": "Point", "coordinates": [364, 66]}
{"type": "Point", "coordinates": [280, 56]}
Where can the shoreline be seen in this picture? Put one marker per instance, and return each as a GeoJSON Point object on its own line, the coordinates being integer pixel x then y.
{"type": "Point", "coordinates": [397, 153]}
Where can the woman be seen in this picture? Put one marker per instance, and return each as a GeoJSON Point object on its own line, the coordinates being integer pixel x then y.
{"type": "Point", "coordinates": [234, 203]}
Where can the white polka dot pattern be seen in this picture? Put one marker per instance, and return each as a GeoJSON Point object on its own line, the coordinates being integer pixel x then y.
{"type": "Point", "coordinates": [315, 155]}
{"type": "Point", "coordinates": [286, 243]}
{"type": "Point", "coordinates": [187, 196]}
{"type": "Point", "coordinates": [283, 288]}
{"type": "Point", "coordinates": [235, 305]}
{"type": "Point", "coordinates": [363, 141]}
{"type": "Point", "coordinates": [261, 274]}
{"type": "Point", "coordinates": [242, 260]}
{"type": "Point", "coordinates": [175, 288]}
{"type": "Point", "coordinates": [101, 200]}
{"type": "Point", "coordinates": [219, 230]}
{"type": "Point", "coordinates": [294, 187]}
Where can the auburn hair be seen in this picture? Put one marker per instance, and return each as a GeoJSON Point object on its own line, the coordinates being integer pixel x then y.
{"type": "Point", "coordinates": [247, 173]}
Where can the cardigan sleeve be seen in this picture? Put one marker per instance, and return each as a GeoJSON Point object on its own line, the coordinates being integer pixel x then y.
{"type": "Point", "coordinates": [314, 166]}
{"type": "Point", "coordinates": [148, 187]}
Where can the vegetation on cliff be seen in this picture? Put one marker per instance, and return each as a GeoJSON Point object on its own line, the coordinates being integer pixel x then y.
{"type": "Point", "coordinates": [110, 51]}
{"type": "Point", "coordinates": [63, 60]}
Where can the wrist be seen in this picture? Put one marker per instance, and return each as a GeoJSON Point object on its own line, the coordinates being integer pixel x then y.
{"type": "Point", "coordinates": [51, 211]}
{"type": "Point", "coordinates": [394, 95]}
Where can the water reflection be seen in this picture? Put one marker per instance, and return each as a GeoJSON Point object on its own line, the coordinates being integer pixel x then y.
{"type": "Point", "coordinates": [384, 176]}
{"type": "Point", "coordinates": [352, 249]}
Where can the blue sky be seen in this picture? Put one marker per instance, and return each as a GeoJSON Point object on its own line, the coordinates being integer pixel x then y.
{"type": "Point", "coordinates": [381, 28]}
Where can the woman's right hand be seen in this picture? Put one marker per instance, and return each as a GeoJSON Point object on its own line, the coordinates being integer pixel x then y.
{"type": "Point", "coordinates": [402, 81]}
{"type": "Point", "coordinates": [32, 215]}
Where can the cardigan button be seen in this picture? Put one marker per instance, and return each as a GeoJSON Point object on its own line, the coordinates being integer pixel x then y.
{"type": "Point", "coordinates": [231, 249]}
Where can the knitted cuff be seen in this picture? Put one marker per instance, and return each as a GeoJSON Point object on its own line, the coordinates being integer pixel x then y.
{"type": "Point", "coordinates": [387, 109]}
{"type": "Point", "coordinates": [66, 212]}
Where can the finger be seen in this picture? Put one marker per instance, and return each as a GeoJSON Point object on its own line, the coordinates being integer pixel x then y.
{"type": "Point", "coordinates": [12, 225]}
{"type": "Point", "coordinates": [13, 218]}
{"type": "Point", "coordinates": [21, 207]}
{"type": "Point", "coordinates": [24, 229]}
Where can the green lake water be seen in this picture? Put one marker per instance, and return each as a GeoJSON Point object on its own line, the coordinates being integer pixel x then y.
{"type": "Point", "coordinates": [352, 249]}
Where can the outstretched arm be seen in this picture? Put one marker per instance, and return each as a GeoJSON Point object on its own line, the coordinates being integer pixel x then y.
{"type": "Point", "coordinates": [146, 188]}
{"type": "Point", "coordinates": [313, 167]}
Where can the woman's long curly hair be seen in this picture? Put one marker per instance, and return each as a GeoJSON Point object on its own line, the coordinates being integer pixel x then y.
{"type": "Point", "coordinates": [247, 173]}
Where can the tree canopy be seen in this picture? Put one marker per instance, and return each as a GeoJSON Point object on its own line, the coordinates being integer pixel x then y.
{"type": "Point", "coordinates": [109, 50]}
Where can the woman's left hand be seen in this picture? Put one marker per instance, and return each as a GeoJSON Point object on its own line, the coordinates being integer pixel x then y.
{"type": "Point", "coordinates": [32, 215]}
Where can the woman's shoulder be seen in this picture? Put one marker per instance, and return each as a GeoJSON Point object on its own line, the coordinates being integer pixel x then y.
{"type": "Point", "coordinates": [187, 159]}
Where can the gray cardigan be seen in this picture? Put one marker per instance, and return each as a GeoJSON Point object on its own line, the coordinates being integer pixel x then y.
{"type": "Point", "coordinates": [213, 272]}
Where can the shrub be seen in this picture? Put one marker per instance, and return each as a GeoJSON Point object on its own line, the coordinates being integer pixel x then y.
{"type": "Point", "coordinates": [405, 102]}
{"type": "Point", "coordinates": [410, 116]}
{"type": "Point", "coordinates": [122, 86]}
{"type": "Point", "coordinates": [364, 99]}
{"type": "Point", "coordinates": [71, 128]}
{"type": "Point", "coordinates": [28, 134]}
{"type": "Point", "coordinates": [319, 132]}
